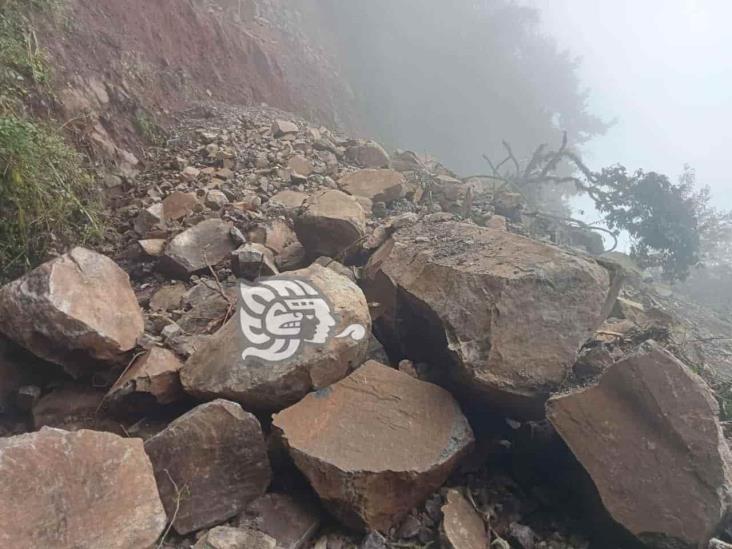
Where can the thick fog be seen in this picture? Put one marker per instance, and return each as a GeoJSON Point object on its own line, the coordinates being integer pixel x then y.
{"type": "Point", "coordinates": [646, 84]}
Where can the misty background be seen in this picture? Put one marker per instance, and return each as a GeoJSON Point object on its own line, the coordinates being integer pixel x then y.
{"type": "Point", "coordinates": [643, 84]}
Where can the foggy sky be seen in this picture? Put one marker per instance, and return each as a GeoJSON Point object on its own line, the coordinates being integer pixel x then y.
{"type": "Point", "coordinates": [663, 68]}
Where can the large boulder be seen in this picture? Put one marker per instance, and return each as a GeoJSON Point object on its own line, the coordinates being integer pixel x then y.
{"type": "Point", "coordinates": [198, 248]}
{"type": "Point", "coordinates": [291, 334]}
{"type": "Point", "coordinates": [331, 223]}
{"type": "Point", "coordinates": [80, 490]}
{"type": "Point", "coordinates": [375, 444]}
{"type": "Point", "coordinates": [74, 310]}
{"type": "Point", "coordinates": [649, 436]}
{"type": "Point", "coordinates": [376, 185]}
{"type": "Point", "coordinates": [209, 463]}
{"type": "Point", "coordinates": [504, 313]}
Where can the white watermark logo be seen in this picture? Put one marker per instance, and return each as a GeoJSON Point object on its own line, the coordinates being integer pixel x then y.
{"type": "Point", "coordinates": [278, 316]}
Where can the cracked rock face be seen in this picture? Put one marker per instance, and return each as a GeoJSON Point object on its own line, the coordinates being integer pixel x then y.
{"type": "Point", "coordinates": [218, 369]}
{"type": "Point", "coordinates": [375, 444]}
{"type": "Point", "coordinates": [649, 436]}
{"type": "Point", "coordinates": [506, 313]}
{"type": "Point", "coordinates": [73, 311]}
{"type": "Point", "coordinates": [209, 463]}
{"type": "Point", "coordinates": [80, 490]}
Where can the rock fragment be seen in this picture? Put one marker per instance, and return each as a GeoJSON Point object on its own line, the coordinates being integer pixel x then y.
{"type": "Point", "coordinates": [289, 200]}
{"type": "Point", "coordinates": [73, 310]}
{"type": "Point", "coordinates": [82, 489]}
{"type": "Point", "coordinates": [178, 205]}
{"type": "Point", "coordinates": [209, 463]}
{"type": "Point", "coordinates": [418, 428]}
{"type": "Point", "coordinates": [649, 436]}
{"type": "Point", "coordinates": [283, 127]}
{"type": "Point", "coordinates": [252, 261]}
{"type": "Point", "coordinates": [276, 365]}
{"type": "Point", "coordinates": [368, 155]}
{"type": "Point", "coordinates": [150, 221]}
{"type": "Point", "coordinates": [462, 527]}
{"type": "Point", "coordinates": [199, 247]}
{"type": "Point", "coordinates": [506, 314]}
{"type": "Point", "coordinates": [153, 379]}
{"type": "Point", "coordinates": [153, 247]}
{"type": "Point", "coordinates": [226, 537]}
{"type": "Point", "coordinates": [331, 223]}
{"type": "Point", "coordinates": [376, 185]}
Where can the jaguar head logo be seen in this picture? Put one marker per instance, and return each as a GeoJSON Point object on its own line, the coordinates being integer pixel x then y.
{"type": "Point", "coordinates": [278, 316]}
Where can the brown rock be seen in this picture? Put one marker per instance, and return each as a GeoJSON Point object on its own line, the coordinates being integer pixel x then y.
{"type": "Point", "coordinates": [331, 222]}
{"type": "Point", "coordinates": [289, 521]}
{"type": "Point", "coordinates": [199, 247]}
{"type": "Point", "coordinates": [462, 527]}
{"type": "Point", "coordinates": [649, 436]}
{"type": "Point", "coordinates": [376, 185]}
{"type": "Point", "coordinates": [190, 173]}
{"type": "Point", "coordinates": [76, 307]}
{"type": "Point", "coordinates": [216, 199]}
{"type": "Point", "coordinates": [226, 537]}
{"type": "Point", "coordinates": [252, 261]}
{"type": "Point", "coordinates": [506, 314]}
{"type": "Point", "coordinates": [77, 490]}
{"type": "Point", "coordinates": [150, 221]}
{"type": "Point", "coordinates": [209, 463]}
{"type": "Point", "coordinates": [275, 365]}
{"type": "Point", "coordinates": [168, 298]}
{"type": "Point", "coordinates": [290, 200]}
{"type": "Point", "coordinates": [276, 234]}
{"type": "Point", "coordinates": [300, 166]}
{"type": "Point", "coordinates": [178, 205]}
{"type": "Point", "coordinates": [375, 444]}
{"type": "Point", "coordinates": [73, 407]}
{"type": "Point", "coordinates": [368, 155]}
{"type": "Point", "coordinates": [153, 378]}
{"type": "Point", "coordinates": [153, 247]}
{"type": "Point", "coordinates": [283, 127]}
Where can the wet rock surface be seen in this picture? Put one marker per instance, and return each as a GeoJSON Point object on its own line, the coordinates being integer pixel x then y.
{"type": "Point", "coordinates": [418, 428]}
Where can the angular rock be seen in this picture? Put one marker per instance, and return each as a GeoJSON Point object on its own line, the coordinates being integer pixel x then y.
{"type": "Point", "coordinates": [216, 199]}
{"type": "Point", "coordinates": [276, 234]}
{"type": "Point", "coordinates": [462, 527]}
{"type": "Point", "coordinates": [289, 521]}
{"type": "Point", "coordinates": [209, 463]}
{"type": "Point", "coordinates": [331, 222]}
{"type": "Point", "coordinates": [252, 261]}
{"type": "Point", "coordinates": [77, 490]}
{"type": "Point", "coordinates": [153, 378]}
{"type": "Point", "coordinates": [193, 250]}
{"type": "Point", "coordinates": [375, 444]}
{"type": "Point", "coordinates": [178, 205]}
{"type": "Point", "coordinates": [283, 127]}
{"type": "Point", "coordinates": [226, 537]}
{"type": "Point", "coordinates": [368, 155]}
{"type": "Point", "coordinates": [649, 436]}
{"type": "Point", "coordinates": [190, 173]}
{"type": "Point", "coordinates": [506, 315]}
{"type": "Point", "coordinates": [153, 247]}
{"type": "Point", "coordinates": [275, 365]}
{"type": "Point", "coordinates": [150, 221]}
{"type": "Point", "coordinates": [74, 308]}
{"type": "Point", "coordinates": [376, 185]}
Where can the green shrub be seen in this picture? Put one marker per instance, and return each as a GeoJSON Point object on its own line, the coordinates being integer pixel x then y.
{"type": "Point", "coordinates": [44, 195]}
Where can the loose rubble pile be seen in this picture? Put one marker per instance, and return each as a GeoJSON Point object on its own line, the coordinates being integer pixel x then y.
{"type": "Point", "coordinates": [290, 339]}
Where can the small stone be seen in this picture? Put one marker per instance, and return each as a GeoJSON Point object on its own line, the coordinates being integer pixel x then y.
{"type": "Point", "coordinates": [226, 537]}
{"type": "Point", "coordinates": [252, 261]}
{"type": "Point", "coordinates": [190, 173]}
{"type": "Point", "coordinates": [153, 247]}
{"type": "Point", "coordinates": [522, 535]}
{"type": "Point", "coordinates": [300, 166]}
{"type": "Point", "coordinates": [289, 200]}
{"type": "Point", "coordinates": [216, 200]}
{"type": "Point", "coordinates": [462, 527]}
{"type": "Point", "coordinates": [289, 521]}
{"type": "Point", "coordinates": [168, 298]}
{"type": "Point", "coordinates": [283, 127]}
{"type": "Point", "coordinates": [178, 205]}
{"type": "Point", "coordinates": [198, 248]}
{"type": "Point", "coordinates": [150, 220]}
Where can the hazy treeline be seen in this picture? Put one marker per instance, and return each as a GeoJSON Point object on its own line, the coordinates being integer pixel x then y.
{"type": "Point", "coordinates": [456, 78]}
